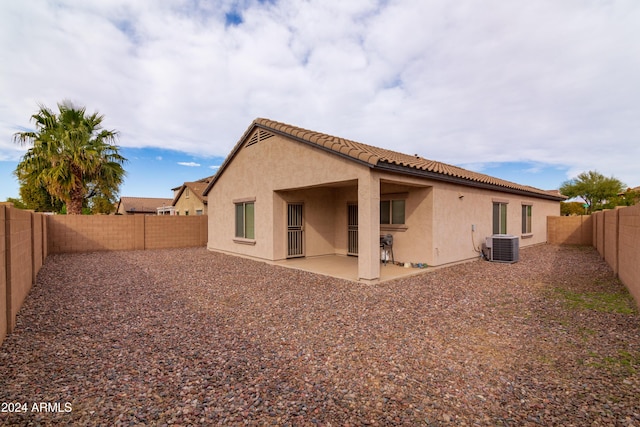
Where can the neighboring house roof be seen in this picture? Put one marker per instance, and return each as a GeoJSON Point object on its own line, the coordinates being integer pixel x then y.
{"type": "Point", "coordinates": [142, 204]}
{"type": "Point", "coordinates": [629, 189]}
{"type": "Point", "coordinates": [381, 159]}
{"type": "Point", "coordinates": [196, 187]}
{"type": "Point", "coordinates": [206, 179]}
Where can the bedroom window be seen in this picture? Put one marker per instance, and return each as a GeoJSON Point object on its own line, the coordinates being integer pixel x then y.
{"type": "Point", "coordinates": [526, 219]}
{"type": "Point", "coordinates": [499, 218]}
{"type": "Point", "coordinates": [245, 220]}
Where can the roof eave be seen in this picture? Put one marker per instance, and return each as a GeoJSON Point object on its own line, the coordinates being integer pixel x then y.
{"type": "Point", "coordinates": [387, 167]}
{"type": "Point", "coordinates": [177, 197]}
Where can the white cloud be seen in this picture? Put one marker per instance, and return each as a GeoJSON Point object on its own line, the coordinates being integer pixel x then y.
{"type": "Point", "coordinates": [462, 82]}
{"type": "Point", "coordinates": [189, 164]}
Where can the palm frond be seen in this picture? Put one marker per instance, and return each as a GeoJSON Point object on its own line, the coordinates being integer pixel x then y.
{"type": "Point", "coordinates": [71, 154]}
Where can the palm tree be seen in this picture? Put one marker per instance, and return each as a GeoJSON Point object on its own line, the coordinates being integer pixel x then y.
{"type": "Point", "coordinates": [71, 156]}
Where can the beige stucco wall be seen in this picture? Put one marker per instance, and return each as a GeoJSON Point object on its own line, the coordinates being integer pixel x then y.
{"type": "Point", "coordinates": [454, 216]}
{"type": "Point", "coordinates": [438, 216]}
{"type": "Point", "coordinates": [610, 242]}
{"type": "Point", "coordinates": [629, 250]}
{"type": "Point", "coordinates": [413, 241]}
{"type": "Point", "coordinates": [275, 172]}
{"type": "Point", "coordinates": [321, 219]}
{"type": "Point", "coordinates": [85, 233]}
{"type": "Point", "coordinates": [19, 260]}
{"type": "Point", "coordinates": [3, 275]}
{"type": "Point", "coordinates": [191, 204]}
{"type": "Point", "coordinates": [570, 230]}
{"type": "Point", "coordinates": [439, 219]}
{"type": "Point", "coordinates": [598, 232]}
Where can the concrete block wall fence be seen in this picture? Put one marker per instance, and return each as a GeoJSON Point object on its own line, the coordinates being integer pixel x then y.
{"type": "Point", "coordinates": [614, 233]}
{"type": "Point", "coordinates": [629, 249]}
{"type": "Point", "coordinates": [27, 238]}
{"type": "Point", "coordinates": [570, 230]}
{"type": "Point", "coordinates": [3, 274]}
{"type": "Point", "coordinates": [23, 236]}
{"type": "Point", "coordinates": [89, 233]}
{"type": "Point", "coordinates": [618, 243]}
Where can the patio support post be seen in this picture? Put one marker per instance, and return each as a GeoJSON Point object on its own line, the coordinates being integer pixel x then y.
{"type": "Point", "coordinates": [369, 228]}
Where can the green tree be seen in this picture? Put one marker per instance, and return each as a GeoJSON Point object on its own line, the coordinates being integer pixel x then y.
{"type": "Point", "coordinates": [572, 208]}
{"type": "Point", "coordinates": [594, 188]}
{"type": "Point", "coordinates": [17, 203]}
{"type": "Point", "coordinates": [36, 197]}
{"type": "Point", "coordinates": [71, 156]}
{"type": "Point", "coordinates": [630, 197]}
{"type": "Point", "coordinates": [102, 205]}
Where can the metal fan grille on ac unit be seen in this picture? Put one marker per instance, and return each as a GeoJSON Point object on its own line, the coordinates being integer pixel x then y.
{"type": "Point", "coordinates": [505, 248]}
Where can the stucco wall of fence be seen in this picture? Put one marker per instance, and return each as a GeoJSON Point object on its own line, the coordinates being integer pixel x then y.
{"type": "Point", "coordinates": [88, 233]}
{"type": "Point", "coordinates": [614, 233]}
{"type": "Point", "coordinates": [570, 230]}
{"type": "Point", "coordinates": [620, 245]}
{"type": "Point", "coordinates": [23, 237]}
{"type": "Point", "coordinates": [26, 238]}
{"type": "Point", "coordinates": [629, 249]}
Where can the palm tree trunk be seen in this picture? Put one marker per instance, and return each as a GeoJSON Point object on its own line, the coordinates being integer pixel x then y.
{"type": "Point", "coordinates": [74, 203]}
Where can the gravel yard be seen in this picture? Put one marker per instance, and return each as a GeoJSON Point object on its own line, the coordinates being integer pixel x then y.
{"type": "Point", "coordinates": [190, 337]}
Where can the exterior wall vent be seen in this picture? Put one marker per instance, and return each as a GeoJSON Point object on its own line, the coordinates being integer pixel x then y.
{"type": "Point", "coordinates": [259, 135]}
{"type": "Point", "coordinates": [503, 248]}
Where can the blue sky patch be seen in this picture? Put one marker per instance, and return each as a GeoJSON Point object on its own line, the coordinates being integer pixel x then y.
{"type": "Point", "coordinates": [233, 18]}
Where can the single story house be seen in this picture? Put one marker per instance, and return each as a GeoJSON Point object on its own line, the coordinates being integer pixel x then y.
{"type": "Point", "coordinates": [287, 192]}
{"type": "Point", "coordinates": [188, 198]}
{"type": "Point", "coordinates": [141, 205]}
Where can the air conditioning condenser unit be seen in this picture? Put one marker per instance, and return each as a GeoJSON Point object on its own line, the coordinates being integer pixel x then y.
{"type": "Point", "coordinates": [503, 248]}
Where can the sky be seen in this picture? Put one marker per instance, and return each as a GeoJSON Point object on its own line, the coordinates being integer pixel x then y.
{"type": "Point", "coordinates": [532, 92]}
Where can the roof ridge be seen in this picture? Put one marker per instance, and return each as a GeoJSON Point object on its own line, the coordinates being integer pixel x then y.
{"type": "Point", "coordinates": [144, 197]}
{"type": "Point", "coordinates": [334, 143]}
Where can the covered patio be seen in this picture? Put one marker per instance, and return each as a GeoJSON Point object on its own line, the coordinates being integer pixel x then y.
{"type": "Point", "coordinates": [337, 227]}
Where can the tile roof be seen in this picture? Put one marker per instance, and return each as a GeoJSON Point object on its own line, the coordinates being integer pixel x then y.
{"type": "Point", "coordinates": [205, 179]}
{"type": "Point", "coordinates": [376, 156]}
{"type": "Point", "coordinates": [381, 158]}
{"type": "Point", "coordinates": [143, 204]}
{"type": "Point", "coordinates": [196, 187]}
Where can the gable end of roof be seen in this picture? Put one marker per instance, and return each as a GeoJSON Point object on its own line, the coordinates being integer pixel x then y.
{"type": "Point", "coordinates": [383, 159]}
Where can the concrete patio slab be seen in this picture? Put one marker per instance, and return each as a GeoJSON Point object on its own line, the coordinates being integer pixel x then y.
{"type": "Point", "coordinates": [345, 267]}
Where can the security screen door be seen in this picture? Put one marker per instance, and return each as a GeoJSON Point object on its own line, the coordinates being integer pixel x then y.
{"type": "Point", "coordinates": [295, 230]}
{"type": "Point", "coordinates": [352, 229]}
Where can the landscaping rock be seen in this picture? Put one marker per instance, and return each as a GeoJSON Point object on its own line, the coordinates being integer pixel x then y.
{"type": "Point", "coordinates": [190, 337]}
